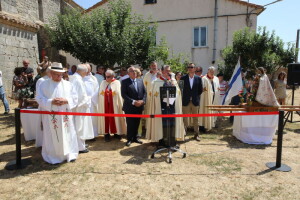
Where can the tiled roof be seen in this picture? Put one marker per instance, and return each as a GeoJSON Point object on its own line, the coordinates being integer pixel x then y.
{"type": "Point", "coordinates": [17, 21]}
{"type": "Point", "coordinates": [252, 5]}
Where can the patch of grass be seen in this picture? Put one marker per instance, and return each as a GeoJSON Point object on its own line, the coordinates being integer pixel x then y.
{"type": "Point", "coordinates": [210, 136]}
{"type": "Point", "coordinates": [253, 194]}
{"type": "Point", "coordinates": [224, 165]}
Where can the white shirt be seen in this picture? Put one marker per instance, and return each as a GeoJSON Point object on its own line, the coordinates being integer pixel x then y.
{"type": "Point", "coordinates": [191, 81]}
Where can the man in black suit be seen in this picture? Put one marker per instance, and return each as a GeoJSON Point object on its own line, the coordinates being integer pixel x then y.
{"type": "Point", "coordinates": [192, 90]}
{"type": "Point", "coordinates": [134, 95]}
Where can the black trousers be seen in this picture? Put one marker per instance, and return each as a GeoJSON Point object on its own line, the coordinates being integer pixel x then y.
{"type": "Point", "coordinates": [132, 126]}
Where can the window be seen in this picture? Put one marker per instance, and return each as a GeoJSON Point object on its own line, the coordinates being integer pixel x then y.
{"type": "Point", "coordinates": [200, 36]}
{"type": "Point", "coordinates": [150, 1]}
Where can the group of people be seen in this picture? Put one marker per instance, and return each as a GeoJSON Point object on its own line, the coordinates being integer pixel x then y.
{"type": "Point", "coordinates": [64, 136]}
{"type": "Point", "coordinates": [79, 90]}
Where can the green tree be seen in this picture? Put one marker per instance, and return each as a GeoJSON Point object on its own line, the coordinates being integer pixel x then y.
{"type": "Point", "coordinates": [260, 49]}
{"type": "Point", "coordinates": [106, 36]}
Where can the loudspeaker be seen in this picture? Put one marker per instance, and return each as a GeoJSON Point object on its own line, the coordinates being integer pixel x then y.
{"type": "Point", "coordinates": [293, 74]}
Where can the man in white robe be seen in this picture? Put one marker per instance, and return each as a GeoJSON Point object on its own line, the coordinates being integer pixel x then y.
{"type": "Point", "coordinates": [83, 124]}
{"type": "Point", "coordinates": [59, 141]}
{"type": "Point", "coordinates": [155, 126]}
{"type": "Point", "coordinates": [111, 102]}
{"type": "Point", "coordinates": [39, 134]}
{"type": "Point", "coordinates": [92, 87]}
{"type": "Point", "coordinates": [149, 78]}
{"type": "Point", "coordinates": [210, 96]}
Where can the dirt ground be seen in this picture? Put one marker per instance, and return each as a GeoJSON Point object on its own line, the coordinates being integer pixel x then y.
{"type": "Point", "coordinates": [218, 167]}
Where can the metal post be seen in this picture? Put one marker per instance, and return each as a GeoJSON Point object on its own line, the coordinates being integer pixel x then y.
{"type": "Point", "coordinates": [18, 137]}
{"type": "Point", "coordinates": [293, 96]}
{"type": "Point", "coordinates": [18, 163]}
{"type": "Point", "coordinates": [297, 45]}
{"type": "Point", "coordinates": [278, 165]}
{"type": "Point", "coordinates": [279, 139]}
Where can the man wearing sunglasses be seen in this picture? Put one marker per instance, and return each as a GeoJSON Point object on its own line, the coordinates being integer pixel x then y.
{"type": "Point", "coordinates": [192, 90]}
{"type": "Point", "coordinates": [110, 102]}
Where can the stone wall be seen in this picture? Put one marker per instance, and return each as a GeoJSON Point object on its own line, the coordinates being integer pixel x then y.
{"type": "Point", "coordinates": [15, 45]}
{"type": "Point", "coordinates": [28, 9]}
{"type": "Point", "coordinates": [25, 41]}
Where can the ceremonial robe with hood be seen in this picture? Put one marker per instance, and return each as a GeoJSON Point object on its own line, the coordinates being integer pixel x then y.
{"type": "Point", "coordinates": [209, 97]}
{"type": "Point", "coordinates": [111, 101]}
{"type": "Point", "coordinates": [155, 127]}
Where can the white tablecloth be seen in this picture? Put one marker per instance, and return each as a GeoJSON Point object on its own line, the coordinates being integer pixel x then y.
{"type": "Point", "coordinates": [256, 129]}
{"type": "Point", "coordinates": [31, 124]}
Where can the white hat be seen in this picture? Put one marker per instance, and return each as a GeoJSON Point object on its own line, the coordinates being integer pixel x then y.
{"type": "Point", "coordinates": [57, 67]}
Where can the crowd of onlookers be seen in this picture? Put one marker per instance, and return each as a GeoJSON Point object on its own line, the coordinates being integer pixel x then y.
{"type": "Point", "coordinates": [24, 81]}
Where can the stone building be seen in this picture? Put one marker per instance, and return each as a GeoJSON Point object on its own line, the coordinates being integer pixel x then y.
{"type": "Point", "coordinates": [22, 35]}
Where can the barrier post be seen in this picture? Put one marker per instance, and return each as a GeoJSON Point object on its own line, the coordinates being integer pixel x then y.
{"type": "Point", "coordinates": [278, 165]}
{"type": "Point", "coordinates": [18, 163]}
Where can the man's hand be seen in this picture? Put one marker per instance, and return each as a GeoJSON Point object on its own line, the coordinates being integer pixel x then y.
{"type": "Point", "coordinates": [139, 103]}
{"type": "Point", "coordinates": [59, 101]}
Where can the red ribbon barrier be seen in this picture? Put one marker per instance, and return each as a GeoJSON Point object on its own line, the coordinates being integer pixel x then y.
{"type": "Point", "coordinates": [149, 116]}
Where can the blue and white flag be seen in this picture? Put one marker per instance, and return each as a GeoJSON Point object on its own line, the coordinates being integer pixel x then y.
{"type": "Point", "coordinates": [235, 84]}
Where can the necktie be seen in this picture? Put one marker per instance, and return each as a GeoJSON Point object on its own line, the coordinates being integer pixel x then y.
{"type": "Point", "coordinates": [135, 84]}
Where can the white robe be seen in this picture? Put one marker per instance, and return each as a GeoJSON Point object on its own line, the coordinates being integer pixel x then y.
{"type": "Point", "coordinates": [83, 124]}
{"type": "Point", "coordinates": [118, 103]}
{"type": "Point", "coordinates": [154, 127]}
{"type": "Point", "coordinates": [39, 134]}
{"type": "Point", "coordinates": [207, 100]}
{"type": "Point", "coordinates": [148, 81]}
{"type": "Point", "coordinates": [92, 88]}
{"type": "Point", "coordinates": [60, 140]}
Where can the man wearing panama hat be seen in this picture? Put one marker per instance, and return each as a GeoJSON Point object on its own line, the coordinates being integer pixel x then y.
{"type": "Point", "coordinates": [59, 136]}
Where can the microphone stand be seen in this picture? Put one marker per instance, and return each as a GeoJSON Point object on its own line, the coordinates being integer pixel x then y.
{"type": "Point", "coordinates": [169, 146]}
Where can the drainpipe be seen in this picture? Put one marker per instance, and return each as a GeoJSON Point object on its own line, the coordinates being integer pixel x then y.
{"type": "Point", "coordinates": [297, 45]}
{"type": "Point", "coordinates": [215, 32]}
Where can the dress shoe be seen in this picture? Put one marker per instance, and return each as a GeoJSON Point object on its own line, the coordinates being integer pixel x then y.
{"type": "Point", "coordinates": [128, 143]}
{"type": "Point", "coordinates": [107, 137]}
{"type": "Point", "coordinates": [118, 137]}
{"type": "Point", "coordinates": [202, 129]}
{"type": "Point", "coordinates": [197, 137]}
{"type": "Point", "coordinates": [84, 151]}
{"type": "Point", "coordinates": [138, 141]}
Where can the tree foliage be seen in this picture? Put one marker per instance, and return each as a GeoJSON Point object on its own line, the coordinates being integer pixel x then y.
{"type": "Point", "coordinates": [106, 36]}
{"type": "Point", "coordinates": [260, 49]}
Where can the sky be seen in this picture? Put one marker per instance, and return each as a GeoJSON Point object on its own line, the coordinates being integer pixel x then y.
{"type": "Point", "coordinates": [283, 17]}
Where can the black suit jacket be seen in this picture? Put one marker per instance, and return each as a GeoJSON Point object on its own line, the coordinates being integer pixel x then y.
{"type": "Point", "coordinates": [193, 92]}
{"type": "Point", "coordinates": [129, 94]}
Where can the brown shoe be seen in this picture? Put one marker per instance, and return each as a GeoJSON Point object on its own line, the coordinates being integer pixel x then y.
{"type": "Point", "coordinates": [197, 137]}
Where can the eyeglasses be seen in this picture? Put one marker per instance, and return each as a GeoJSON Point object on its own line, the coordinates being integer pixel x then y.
{"type": "Point", "coordinates": [109, 76]}
{"type": "Point", "coordinates": [199, 71]}
{"type": "Point", "coordinates": [190, 67]}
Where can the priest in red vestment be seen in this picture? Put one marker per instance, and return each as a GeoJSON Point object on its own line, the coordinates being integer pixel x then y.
{"type": "Point", "coordinates": [110, 101]}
